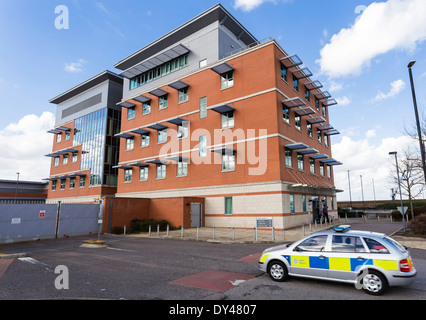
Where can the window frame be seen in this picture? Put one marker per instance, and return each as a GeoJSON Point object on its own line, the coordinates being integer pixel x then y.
{"type": "Point", "coordinates": [227, 80]}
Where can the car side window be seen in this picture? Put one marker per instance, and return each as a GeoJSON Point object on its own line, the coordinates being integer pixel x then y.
{"type": "Point", "coordinates": [347, 244]}
{"type": "Point", "coordinates": [375, 246]}
{"type": "Point", "coordinates": [313, 244]}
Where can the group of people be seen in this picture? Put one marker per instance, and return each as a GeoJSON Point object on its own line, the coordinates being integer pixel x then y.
{"type": "Point", "coordinates": [322, 213]}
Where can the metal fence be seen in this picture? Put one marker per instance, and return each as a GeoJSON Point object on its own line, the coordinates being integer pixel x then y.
{"type": "Point", "coordinates": [25, 222]}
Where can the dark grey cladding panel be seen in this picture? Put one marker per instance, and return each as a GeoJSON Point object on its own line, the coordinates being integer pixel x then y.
{"type": "Point", "coordinates": [82, 105]}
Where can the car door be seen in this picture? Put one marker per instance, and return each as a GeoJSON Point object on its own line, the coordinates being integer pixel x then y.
{"type": "Point", "coordinates": [308, 258]}
{"type": "Point", "coordinates": [347, 256]}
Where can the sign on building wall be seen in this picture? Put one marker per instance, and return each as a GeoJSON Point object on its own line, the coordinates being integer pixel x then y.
{"type": "Point", "coordinates": [264, 222]}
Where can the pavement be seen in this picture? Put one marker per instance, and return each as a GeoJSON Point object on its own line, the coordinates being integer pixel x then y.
{"type": "Point", "coordinates": [231, 235]}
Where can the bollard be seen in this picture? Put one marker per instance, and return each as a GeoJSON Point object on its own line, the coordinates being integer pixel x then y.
{"type": "Point", "coordinates": [378, 219]}
{"type": "Point", "coordinates": [255, 233]}
{"type": "Point", "coordinates": [273, 234]}
{"type": "Point", "coordinates": [181, 232]}
{"type": "Point", "coordinates": [315, 225]}
{"type": "Point", "coordinates": [124, 229]}
{"type": "Point", "coordinates": [391, 219]}
{"type": "Point", "coordinates": [283, 234]}
{"type": "Point", "coordinates": [149, 230]}
{"type": "Point", "coordinates": [233, 233]}
{"type": "Point", "coordinates": [310, 227]}
{"type": "Point", "coordinates": [303, 228]}
{"type": "Point", "coordinates": [213, 232]}
{"type": "Point", "coordinates": [168, 227]}
{"type": "Point", "coordinates": [198, 229]}
{"type": "Point", "coordinates": [158, 230]}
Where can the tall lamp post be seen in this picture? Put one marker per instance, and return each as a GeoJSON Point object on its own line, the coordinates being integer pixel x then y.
{"type": "Point", "coordinates": [399, 185]}
{"type": "Point", "coordinates": [419, 131]}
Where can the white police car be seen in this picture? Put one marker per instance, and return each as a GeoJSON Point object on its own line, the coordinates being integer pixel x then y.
{"type": "Point", "coordinates": [372, 261]}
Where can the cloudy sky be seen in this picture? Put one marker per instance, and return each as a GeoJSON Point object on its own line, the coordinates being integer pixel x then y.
{"type": "Point", "coordinates": [358, 49]}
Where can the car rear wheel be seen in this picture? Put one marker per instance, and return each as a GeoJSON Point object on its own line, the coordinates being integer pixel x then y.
{"type": "Point", "coordinates": [374, 283]}
{"type": "Point", "coordinates": [277, 271]}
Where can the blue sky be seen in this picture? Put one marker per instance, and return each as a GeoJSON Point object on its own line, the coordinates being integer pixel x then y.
{"type": "Point", "coordinates": [356, 48]}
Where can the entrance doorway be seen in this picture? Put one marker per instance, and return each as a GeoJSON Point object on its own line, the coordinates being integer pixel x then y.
{"type": "Point", "coordinates": [196, 215]}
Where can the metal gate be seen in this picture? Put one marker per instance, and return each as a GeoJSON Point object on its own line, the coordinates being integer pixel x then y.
{"type": "Point", "coordinates": [196, 217]}
{"type": "Point", "coordinates": [24, 222]}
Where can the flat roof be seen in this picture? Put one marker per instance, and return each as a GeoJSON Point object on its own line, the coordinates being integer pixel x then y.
{"type": "Point", "coordinates": [215, 13]}
{"type": "Point", "coordinates": [86, 85]}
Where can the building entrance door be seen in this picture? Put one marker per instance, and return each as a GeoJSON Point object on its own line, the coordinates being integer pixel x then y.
{"type": "Point", "coordinates": [196, 215]}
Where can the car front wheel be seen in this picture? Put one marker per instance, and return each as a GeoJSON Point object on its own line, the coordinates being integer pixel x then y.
{"type": "Point", "coordinates": [277, 271]}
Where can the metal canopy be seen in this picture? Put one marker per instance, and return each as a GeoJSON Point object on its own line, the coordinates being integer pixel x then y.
{"type": "Point", "coordinates": [308, 151]}
{"type": "Point", "coordinates": [63, 128]}
{"type": "Point", "coordinates": [328, 160]}
{"type": "Point", "coordinates": [125, 135]}
{"type": "Point", "coordinates": [335, 164]}
{"type": "Point", "coordinates": [141, 131]}
{"type": "Point", "coordinates": [156, 61]}
{"type": "Point", "coordinates": [158, 92]}
{"type": "Point", "coordinates": [291, 61]}
{"type": "Point", "coordinates": [54, 131]}
{"type": "Point", "coordinates": [313, 85]}
{"type": "Point", "coordinates": [331, 132]}
{"type": "Point", "coordinates": [316, 120]}
{"type": "Point", "coordinates": [293, 102]}
{"type": "Point", "coordinates": [177, 121]}
{"type": "Point", "coordinates": [223, 109]}
{"type": "Point", "coordinates": [141, 98]}
{"type": "Point", "coordinates": [179, 85]}
{"type": "Point", "coordinates": [74, 175]}
{"type": "Point", "coordinates": [156, 161]}
{"type": "Point", "coordinates": [126, 104]}
{"type": "Point", "coordinates": [302, 73]}
{"type": "Point", "coordinates": [52, 155]}
{"type": "Point", "coordinates": [222, 68]}
{"type": "Point", "coordinates": [157, 127]}
{"type": "Point", "coordinates": [139, 164]}
{"type": "Point", "coordinates": [304, 111]}
{"type": "Point", "coordinates": [296, 146]}
{"type": "Point", "coordinates": [122, 167]}
{"type": "Point", "coordinates": [323, 95]}
{"type": "Point", "coordinates": [319, 156]}
{"type": "Point", "coordinates": [70, 150]}
{"type": "Point", "coordinates": [224, 150]}
{"type": "Point", "coordinates": [330, 102]}
{"type": "Point", "coordinates": [178, 158]}
{"type": "Point", "coordinates": [324, 127]}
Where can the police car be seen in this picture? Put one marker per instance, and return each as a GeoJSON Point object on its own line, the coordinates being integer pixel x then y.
{"type": "Point", "coordinates": [372, 261]}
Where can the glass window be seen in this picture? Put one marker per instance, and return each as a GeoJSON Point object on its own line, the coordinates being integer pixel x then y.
{"type": "Point", "coordinates": [312, 165]}
{"type": "Point", "coordinates": [62, 184]}
{"type": "Point", "coordinates": [72, 183]}
{"type": "Point", "coordinates": [203, 146]}
{"type": "Point", "coordinates": [228, 120]}
{"type": "Point", "coordinates": [324, 111]}
{"type": "Point", "coordinates": [309, 129]}
{"type": "Point", "coordinates": [183, 130]}
{"type": "Point", "coordinates": [347, 244]}
{"type": "Point", "coordinates": [296, 84]}
{"type": "Point", "coordinates": [56, 162]}
{"type": "Point", "coordinates": [130, 143]}
{"type": "Point", "coordinates": [283, 72]}
{"type": "Point", "coordinates": [298, 122]}
{"type": "Point", "coordinates": [183, 95]}
{"type": "Point", "coordinates": [203, 63]}
{"type": "Point", "coordinates": [288, 159]}
{"type": "Point", "coordinates": [313, 244]}
{"type": "Point", "coordinates": [286, 114]}
{"type": "Point", "coordinates": [228, 205]}
{"type": "Point", "coordinates": [292, 207]}
{"type": "Point", "coordinates": [67, 135]}
{"type": "Point", "coordinates": [161, 171]}
{"type": "Point", "coordinates": [145, 140]}
{"type": "Point", "coordinates": [182, 169]}
{"type": "Point", "coordinates": [375, 246]}
{"type": "Point", "coordinates": [317, 103]}
{"type": "Point", "coordinates": [319, 135]}
{"type": "Point", "coordinates": [326, 141]}
{"type": "Point", "coordinates": [162, 102]}
{"type": "Point", "coordinates": [82, 182]}
{"type": "Point", "coordinates": [54, 183]}
{"type": "Point", "coordinates": [74, 157]}
{"type": "Point", "coordinates": [227, 80]}
{"type": "Point", "coordinates": [304, 203]}
{"type": "Point", "coordinates": [58, 137]}
{"type": "Point", "coordinates": [203, 107]}
{"type": "Point", "coordinates": [143, 174]}
{"type": "Point", "coordinates": [65, 159]}
{"type": "Point", "coordinates": [131, 113]}
{"type": "Point", "coordinates": [328, 171]}
{"type": "Point", "coordinates": [146, 108]}
{"type": "Point", "coordinates": [228, 162]}
{"type": "Point", "coordinates": [162, 136]}
{"type": "Point", "coordinates": [307, 94]}
{"type": "Point", "coordinates": [300, 161]}
{"type": "Point", "coordinates": [128, 173]}
{"type": "Point", "coordinates": [322, 169]}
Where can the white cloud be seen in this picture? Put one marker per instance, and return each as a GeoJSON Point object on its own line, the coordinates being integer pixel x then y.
{"type": "Point", "coordinates": [25, 145]}
{"type": "Point", "coordinates": [249, 5]}
{"type": "Point", "coordinates": [75, 67]}
{"type": "Point", "coordinates": [371, 160]}
{"type": "Point", "coordinates": [396, 87]}
{"type": "Point", "coordinates": [382, 27]}
{"type": "Point", "coordinates": [343, 101]}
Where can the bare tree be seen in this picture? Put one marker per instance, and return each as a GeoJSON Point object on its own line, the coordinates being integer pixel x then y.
{"type": "Point", "coordinates": [412, 179]}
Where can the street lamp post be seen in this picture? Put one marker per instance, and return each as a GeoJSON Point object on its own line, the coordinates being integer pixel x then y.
{"type": "Point", "coordinates": [16, 190]}
{"type": "Point", "coordinates": [399, 185]}
{"type": "Point", "coordinates": [419, 131]}
{"type": "Point", "coordinates": [350, 193]}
